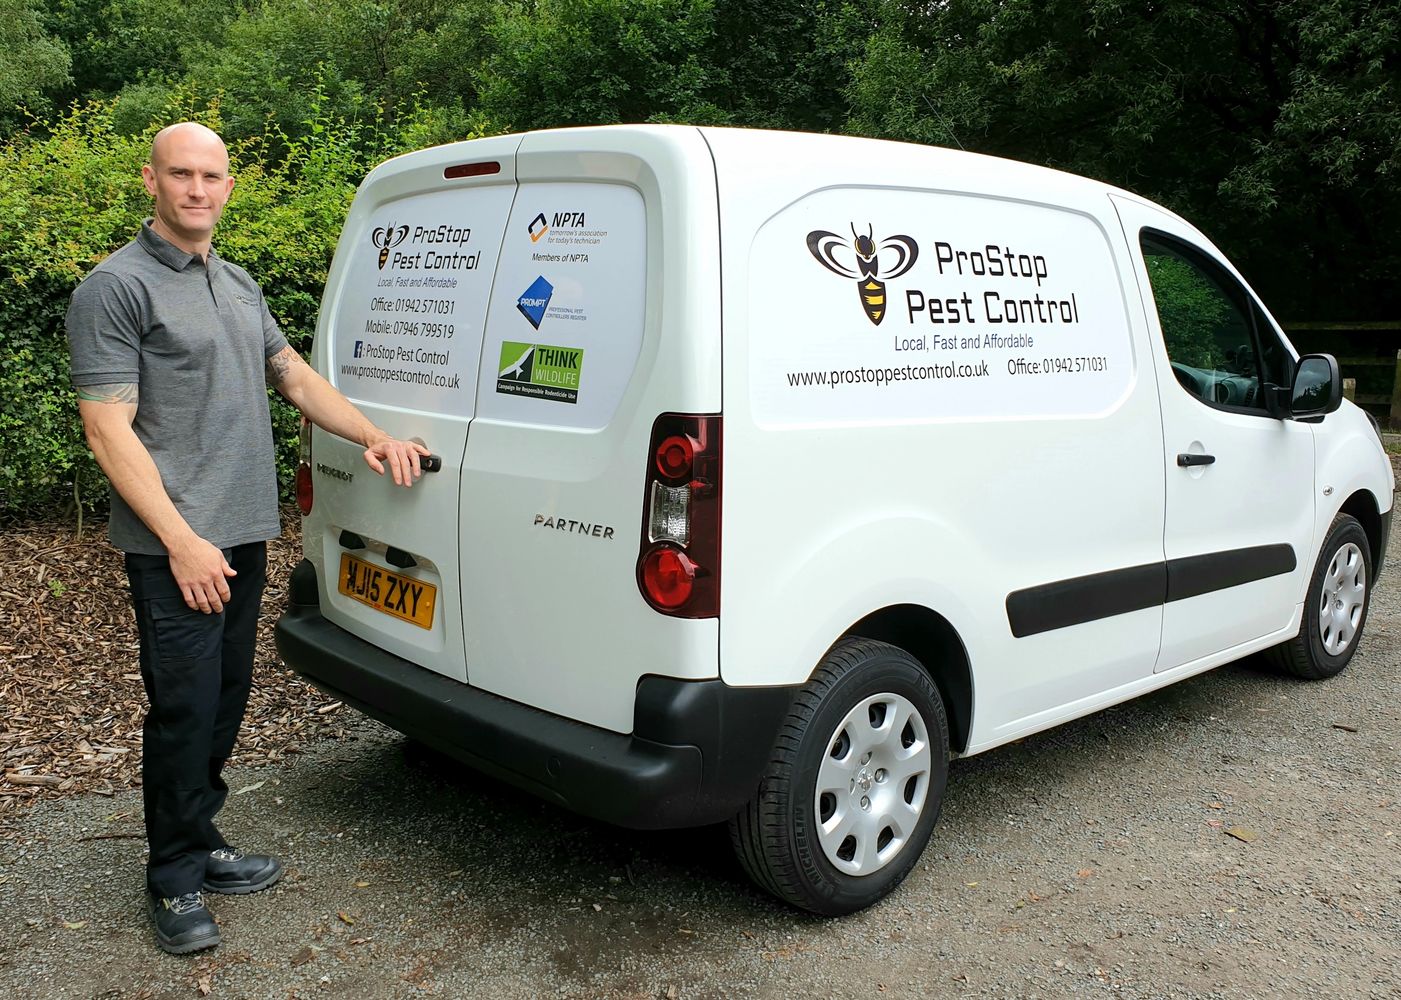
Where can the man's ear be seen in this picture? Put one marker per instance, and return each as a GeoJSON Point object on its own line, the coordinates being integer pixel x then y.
{"type": "Point", "coordinates": [148, 177]}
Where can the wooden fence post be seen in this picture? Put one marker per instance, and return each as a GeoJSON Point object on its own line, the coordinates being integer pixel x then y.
{"type": "Point", "coordinates": [1350, 388]}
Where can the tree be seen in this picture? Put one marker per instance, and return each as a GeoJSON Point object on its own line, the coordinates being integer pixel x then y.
{"type": "Point", "coordinates": [35, 62]}
{"type": "Point", "coordinates": [1276, 126]}
{"type": "Point", "coordinates": [586, 62]}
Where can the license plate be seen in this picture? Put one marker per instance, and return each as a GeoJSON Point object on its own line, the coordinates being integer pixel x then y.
{"type": "Point", "coordinates": [405, 598]}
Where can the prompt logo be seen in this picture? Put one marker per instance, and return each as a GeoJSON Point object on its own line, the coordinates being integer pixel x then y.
{"type": "Point", "coordinates": [535, 300]}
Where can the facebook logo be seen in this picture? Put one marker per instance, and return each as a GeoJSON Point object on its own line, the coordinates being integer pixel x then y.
{"type": "Point", "coordinates": [359, 348]}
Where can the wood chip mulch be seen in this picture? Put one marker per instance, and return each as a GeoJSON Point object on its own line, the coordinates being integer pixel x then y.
{"type": "Point", "coordinates": [71, 698]}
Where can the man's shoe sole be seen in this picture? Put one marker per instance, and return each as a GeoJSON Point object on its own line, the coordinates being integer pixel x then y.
{"type": "Point", "coordinates": [174, 946]}
{"type": "Point", "coordinates": [185, 947]}
{"type": "Point", "coordinates": [244, 888]}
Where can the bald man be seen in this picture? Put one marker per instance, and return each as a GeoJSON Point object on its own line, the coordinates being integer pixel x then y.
{"type": "Point", "coordinates": [173, 349]}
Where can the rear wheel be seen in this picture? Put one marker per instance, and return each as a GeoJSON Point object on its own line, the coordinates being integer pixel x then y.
{"type": "Point", "coordinates": [1335, 609]}
{"type": "Point", "coordinates": [854, 783]}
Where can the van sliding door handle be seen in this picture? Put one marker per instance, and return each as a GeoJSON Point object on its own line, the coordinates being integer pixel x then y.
{"type": "Point", "coordinates": [1186, 461]}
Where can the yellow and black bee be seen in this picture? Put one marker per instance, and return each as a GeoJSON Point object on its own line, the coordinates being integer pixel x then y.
{"type": "Point", "coordinates": [387, 238]}
{"type": "Point", "coordinates": [865, 264]}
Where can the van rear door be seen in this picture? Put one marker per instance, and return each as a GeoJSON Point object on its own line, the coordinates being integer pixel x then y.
{"type": "Point", "coordinates": [604, 314]}
{"type": "Point", "coordinates": [401, 335]}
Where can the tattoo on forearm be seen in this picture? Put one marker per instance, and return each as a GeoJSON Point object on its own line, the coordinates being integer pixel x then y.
{"type": "Point", "coordinates": [281, 363]}
{"type": "Point", "coordinates": [113, 392]}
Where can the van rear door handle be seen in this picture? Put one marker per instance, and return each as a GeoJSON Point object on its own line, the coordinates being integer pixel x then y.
{"type": "Point", "coordinates": [430, 463]}
{"type": "Point", "coordinates": [1185, 460]}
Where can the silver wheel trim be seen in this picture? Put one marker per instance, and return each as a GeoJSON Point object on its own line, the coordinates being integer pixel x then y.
{"type": "Point", "coordinates": [1344, 595]}
{"type": "Point", "coordinates": [874, 778]}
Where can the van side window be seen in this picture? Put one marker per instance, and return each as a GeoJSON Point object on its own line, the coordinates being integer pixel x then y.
{"type": "Point", "coordinates": [1221, 346]}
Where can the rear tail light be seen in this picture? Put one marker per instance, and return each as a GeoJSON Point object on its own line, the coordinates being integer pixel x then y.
{"type": "Point", "coordinates": [678, 565]}
{"type": "Point", "coordinates": [304, 497]}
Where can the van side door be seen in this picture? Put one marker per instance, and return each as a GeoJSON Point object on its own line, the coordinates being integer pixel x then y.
{"type": "Point", "coordinates": [1239, 526]}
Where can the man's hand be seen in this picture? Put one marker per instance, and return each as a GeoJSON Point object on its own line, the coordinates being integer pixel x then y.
{"type": "Point", "coordinates": [401, 456]}
{"type": "Point", "coordinates": [200, 569]}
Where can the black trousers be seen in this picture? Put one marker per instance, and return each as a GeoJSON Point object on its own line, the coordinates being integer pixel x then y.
{"type": "Point", "coordinates": [197, 669]}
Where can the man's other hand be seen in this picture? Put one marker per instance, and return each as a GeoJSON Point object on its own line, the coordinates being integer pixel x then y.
{"type": "Point", "coordinates": [201, 570]}
{"type": "Point", "coordinates": [402, 457]}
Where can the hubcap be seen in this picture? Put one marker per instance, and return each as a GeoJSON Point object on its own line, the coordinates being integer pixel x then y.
{"type": "Point", "coordinates": [872, 784]}
{"type": "Point", "coordinates": [1343, 598]}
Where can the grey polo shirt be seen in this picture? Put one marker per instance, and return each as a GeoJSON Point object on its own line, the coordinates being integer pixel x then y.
{"type": "Point", "coordinates": [194, 338]}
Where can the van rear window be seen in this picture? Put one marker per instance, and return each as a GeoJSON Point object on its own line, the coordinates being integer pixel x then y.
{"type": "Point", "coordinates": [412, 301]}
{"type": "Point", "coordinates": [565, 325]}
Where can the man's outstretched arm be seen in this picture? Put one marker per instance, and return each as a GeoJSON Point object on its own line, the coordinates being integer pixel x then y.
{"type": "Point", "coordinates": [324, 405]}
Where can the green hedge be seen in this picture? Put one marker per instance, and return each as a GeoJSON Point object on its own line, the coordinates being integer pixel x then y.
{"type": "Point", "coordinates": [73, 194]}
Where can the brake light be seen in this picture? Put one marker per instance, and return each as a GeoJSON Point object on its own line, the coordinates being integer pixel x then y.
{"type": "Point", "coordinates": [678, 564]}
{"type": "Point", "coordinates": [304, 492]}
{"type": "Point", "coordinates": [482, 169]}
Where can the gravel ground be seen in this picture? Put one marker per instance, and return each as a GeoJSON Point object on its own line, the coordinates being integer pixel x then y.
{"type": "Point", "coordinates": [1092, 860]}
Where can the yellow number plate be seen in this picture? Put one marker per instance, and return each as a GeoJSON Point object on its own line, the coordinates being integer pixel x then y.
{"type": "Point", "coordinates": [404, 598]}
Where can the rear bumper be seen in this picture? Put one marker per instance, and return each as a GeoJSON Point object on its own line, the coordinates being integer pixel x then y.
{"type": "Point", "coordinates": [695, 756]}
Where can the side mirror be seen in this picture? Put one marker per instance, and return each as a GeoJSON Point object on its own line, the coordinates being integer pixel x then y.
{"type": "Point", "coordinates": [1318, 386]}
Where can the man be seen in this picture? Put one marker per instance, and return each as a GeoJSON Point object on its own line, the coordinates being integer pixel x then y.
{"type": "Point", "coordinates": [172, 350]}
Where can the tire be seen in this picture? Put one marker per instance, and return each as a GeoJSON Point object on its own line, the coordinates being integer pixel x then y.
{"type": "Point", "coordinates": [1335, 610]}
{"type": "Point", "coordinates": [869, 725]}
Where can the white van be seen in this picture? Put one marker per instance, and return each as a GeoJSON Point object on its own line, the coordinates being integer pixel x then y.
{"type": "Point", "coordinates": [775, 470]}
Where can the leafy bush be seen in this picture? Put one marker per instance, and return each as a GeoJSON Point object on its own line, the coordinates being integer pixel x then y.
{"type": "Point", "coordinates": [71, 196]}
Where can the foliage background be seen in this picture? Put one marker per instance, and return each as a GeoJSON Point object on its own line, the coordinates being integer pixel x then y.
{"type": "Point", "coordinates": [1275, 126]}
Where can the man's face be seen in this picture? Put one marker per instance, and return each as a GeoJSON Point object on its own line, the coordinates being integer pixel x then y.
{"type": "Point", "coordinates": [188, 176]}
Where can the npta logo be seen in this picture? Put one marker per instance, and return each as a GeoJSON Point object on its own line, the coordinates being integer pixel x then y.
{"type": "Point", "coordinates": [861, 258]}
{"type": "Point", "coordinates": [535, 300]}
{"type": "Point", "coordinates": [540, 225]}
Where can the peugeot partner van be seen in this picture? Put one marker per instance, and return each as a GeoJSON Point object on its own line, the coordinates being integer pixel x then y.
{"type": "Point", "coordinates": [772, 471]}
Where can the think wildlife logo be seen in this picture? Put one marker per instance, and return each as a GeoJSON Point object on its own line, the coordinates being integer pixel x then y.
{"type": "Point", "coordinates": [387, 238]}
{"type": "Point", "coordinates": [869, 263]}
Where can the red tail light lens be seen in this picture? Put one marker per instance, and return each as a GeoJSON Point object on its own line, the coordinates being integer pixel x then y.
{"type": "Point", "coordinates": [668, 576]}
{"type": "Point", "coordinates": [304, 491]}
{"type": "Point", "coordinates": [675, 456]}
{"type": "Point", "coordinates": [678, 563]}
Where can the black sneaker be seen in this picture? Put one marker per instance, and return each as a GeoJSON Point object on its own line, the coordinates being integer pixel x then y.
{"type": "Point", "coordinates": [183, 924]}
{"type": "Point", "coordinates": [231, 871]}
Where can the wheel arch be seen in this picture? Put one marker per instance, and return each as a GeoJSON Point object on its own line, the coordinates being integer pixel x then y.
{"type": "Point", "coordinates": [929, 638]}
{"type": "Point", "coordinates": [1363, 506]}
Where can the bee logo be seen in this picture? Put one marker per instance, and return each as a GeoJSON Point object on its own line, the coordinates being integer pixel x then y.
{"type": "Point", "coordinates": [870, 264]}
{"type": "Point", "coordinates": [387, 238]}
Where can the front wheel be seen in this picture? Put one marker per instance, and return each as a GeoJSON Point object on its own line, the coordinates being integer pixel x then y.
{"type": "Point", "coordinates": [1335, 609]}
{"type": "Point", "coordinates": [854, 783]}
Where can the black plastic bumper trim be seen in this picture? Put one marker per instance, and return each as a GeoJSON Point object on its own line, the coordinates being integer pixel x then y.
{"type": "Point", "coordinates": [695, 756]}
{"type": "Point", "coordinates": [1379, 557]}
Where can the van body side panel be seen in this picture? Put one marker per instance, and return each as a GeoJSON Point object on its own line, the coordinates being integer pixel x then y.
{"type": "Point", "coordinates": [988, 429]}
{"type": "Point", "coordinates": [605, 314]}
{"type": "Point", "coordinates": [400, 334]}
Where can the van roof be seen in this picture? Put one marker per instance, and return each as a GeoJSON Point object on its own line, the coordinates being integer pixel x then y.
{"type": "Point", "coordinates": [816, 159]}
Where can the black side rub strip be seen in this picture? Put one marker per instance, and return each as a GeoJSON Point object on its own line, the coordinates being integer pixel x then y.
{"type": "Point", "coordinates": [1086, 598]}
{"type": "Point", "coordinates": [1050, 606]}
{"type": "Point", "coordinates": [1193, 576]}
